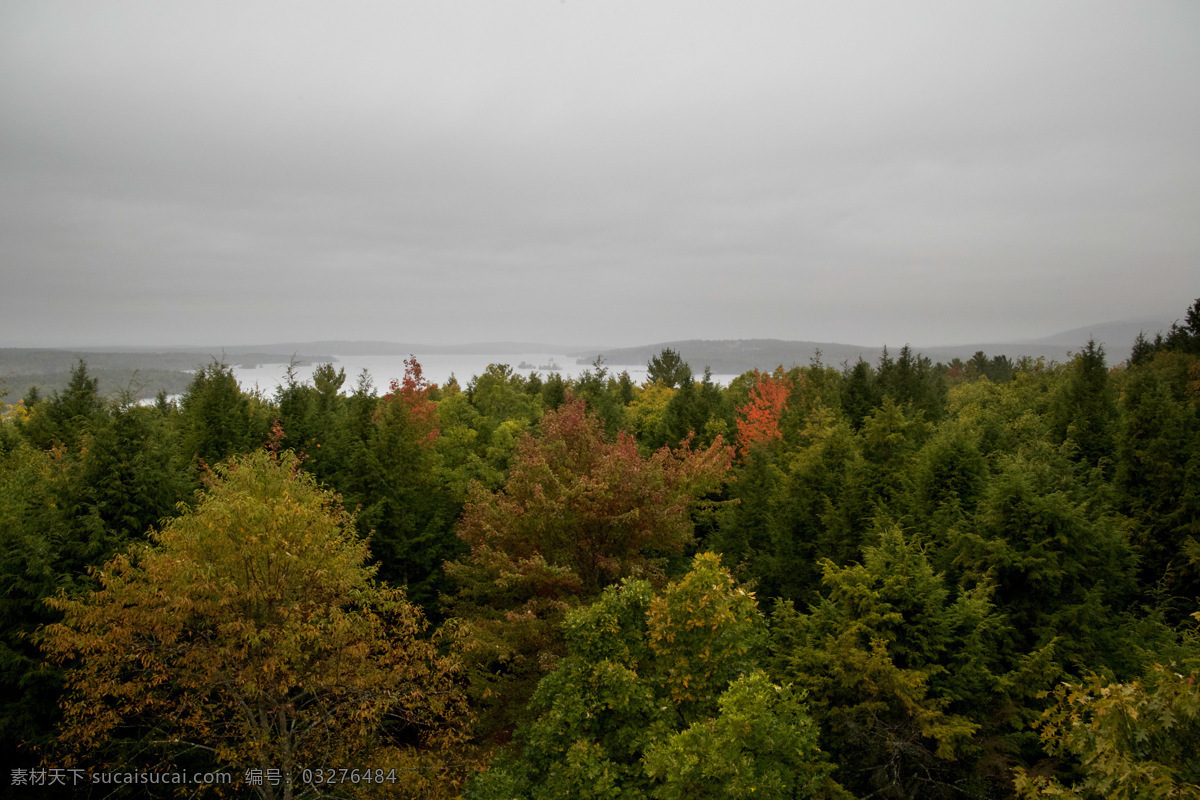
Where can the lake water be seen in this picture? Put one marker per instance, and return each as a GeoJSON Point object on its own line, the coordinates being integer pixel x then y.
{"type": "Point", "coordinates": [437, 368]}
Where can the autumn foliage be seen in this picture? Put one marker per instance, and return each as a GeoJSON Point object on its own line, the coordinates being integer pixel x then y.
{"type": "Point", "coordinates": [579, 512]}
{"type": "Point", "coordinates": [412, 393]}
{"type": "Point", "coordinates": [1136, 740]}
{"type": "Point", "coordinates": [592, 507]}
{"type": "Point", "coordinates": [758, 419]}
{"type": "Point", "coordinates": [250, 629]}
{"type": "Point", "coordinates": [976, 581]}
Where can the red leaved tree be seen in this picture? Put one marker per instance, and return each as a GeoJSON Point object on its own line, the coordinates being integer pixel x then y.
{"type": "Point", "coordinates": [758, 419]}
{"type": "Point", "coordinates": [413, 392]}
{"type": "Point", "coordinates": [579, 512]}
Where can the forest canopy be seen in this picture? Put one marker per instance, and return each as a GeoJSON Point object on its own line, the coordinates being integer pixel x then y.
{"type": "Point", "coordinates": [899, 579]}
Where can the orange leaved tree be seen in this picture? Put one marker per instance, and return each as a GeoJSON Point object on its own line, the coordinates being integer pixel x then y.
{"type": "Point", "coordinates": [758, 419]}
{"type": "Point", "coordinates": [249, 631]}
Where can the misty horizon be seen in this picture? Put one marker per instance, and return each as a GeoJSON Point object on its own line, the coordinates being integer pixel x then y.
{"type": "Point", "coordinates": [1123, 330]}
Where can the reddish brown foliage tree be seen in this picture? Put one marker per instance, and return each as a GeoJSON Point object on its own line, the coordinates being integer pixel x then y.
{"type": "Point", "coordinates": [413, 392]}
{"type": "Point", "coordinates": [579, 512]}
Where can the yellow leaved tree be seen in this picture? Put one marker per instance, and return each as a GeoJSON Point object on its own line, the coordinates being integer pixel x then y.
{"type": "Point", "coordinates": [250, 634]}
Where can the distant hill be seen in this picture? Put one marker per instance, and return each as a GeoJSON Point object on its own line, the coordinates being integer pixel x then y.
{"type": "Point", "coordinates": [142, 373]}
{"type": "Point", "coordinates": [1117, 337]}
{"type": "Point", "coordinates": [331, 348]}
{"type": "Point", "coordinates": [735, 356]}
{"type": "Point", "coordinates": [405, 348]}
{"type": "Point", "coordinates": [146, 370]}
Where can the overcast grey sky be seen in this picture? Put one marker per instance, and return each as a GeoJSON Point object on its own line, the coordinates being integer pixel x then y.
{"type": "Point", "coordinates": [594, 171]}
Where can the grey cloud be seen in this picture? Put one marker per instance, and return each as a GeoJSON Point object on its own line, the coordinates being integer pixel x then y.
{"type": "Point", "coordinates": [604, 172]}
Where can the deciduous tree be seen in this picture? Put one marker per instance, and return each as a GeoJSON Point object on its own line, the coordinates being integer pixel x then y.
{"type": "Point", "coordinates": [661, 696]}
{"type": "Point", "coordinates": [758, 420]}
{"type": "Point", "coordinates": [579, 512]}
{"type": "Point", "coordinates": [251, 629]}
{"type": "Point", "coordinates": [1136, 740]}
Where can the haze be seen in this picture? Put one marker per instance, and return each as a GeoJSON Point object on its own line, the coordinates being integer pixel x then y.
{"type": "Point", "coordinates": [608, 172]}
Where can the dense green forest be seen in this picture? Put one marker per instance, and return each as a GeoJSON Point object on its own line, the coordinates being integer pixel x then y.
{"type": "Point", "coordinates": [894, 580]}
